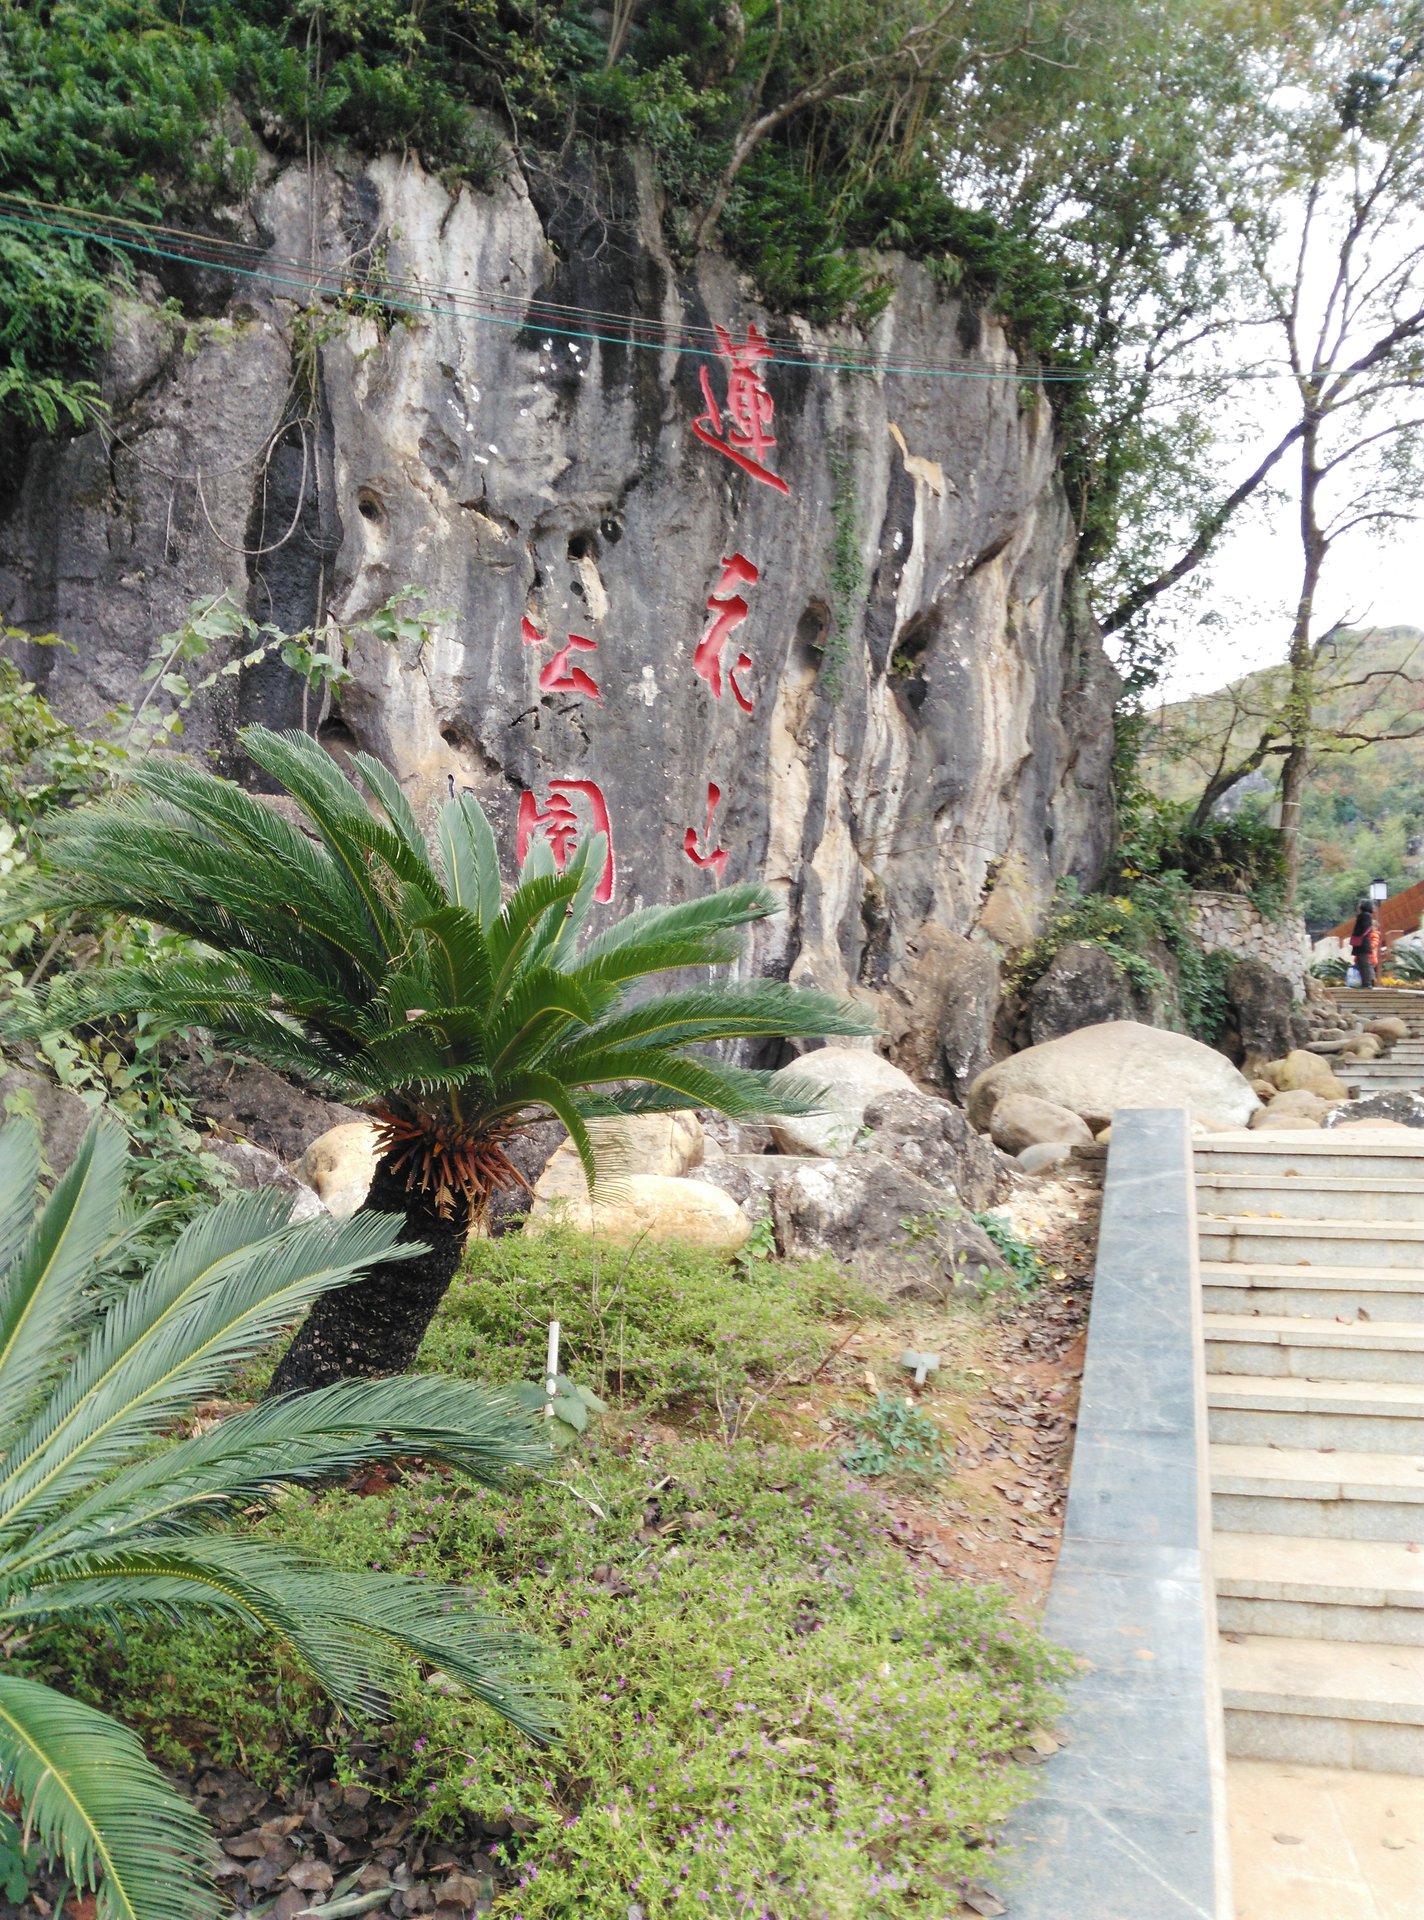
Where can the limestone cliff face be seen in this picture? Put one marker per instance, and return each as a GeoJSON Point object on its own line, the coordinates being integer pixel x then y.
{"type": "Point", "coordinates": [541, 484]}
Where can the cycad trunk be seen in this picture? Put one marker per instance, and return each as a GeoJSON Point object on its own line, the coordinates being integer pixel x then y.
{"type": "Point", "coordinates": [376, 1326]}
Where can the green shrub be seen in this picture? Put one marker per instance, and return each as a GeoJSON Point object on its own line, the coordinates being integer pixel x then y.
{"type": "Point", "coordinates": [892, 1437]}
{"type": "Point", "coordinates": [652, 1324]}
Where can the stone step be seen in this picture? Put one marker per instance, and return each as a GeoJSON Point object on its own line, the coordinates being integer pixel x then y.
{"type": "Point", "coordinates": [1324, 1704]}
{"type": "Point", "coordinates": [1317, 1243]}
{"type": "Point", "coordinates": [1384, 1416]}
{"type": "Point", "coordinates": [1291, 1346]}
{"type": "Point", "coordinates": [1312, 1196]}
{"type": "Point", "coordinates": [1385, 1293]}
{"type": "Point", "coordinates": [1301, 1156]}
{"type": "Point", "coordinates": [1285, 1585]}
{"type": "Point", "coordinates": [1327, 1494]}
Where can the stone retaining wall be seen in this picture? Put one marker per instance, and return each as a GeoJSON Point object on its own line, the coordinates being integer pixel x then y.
{"type": "Point", "coordinates": [1230, 920]}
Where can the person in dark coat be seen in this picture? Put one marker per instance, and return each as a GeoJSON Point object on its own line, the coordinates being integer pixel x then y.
{"type": "Point", "coordinates": [1365, 943]}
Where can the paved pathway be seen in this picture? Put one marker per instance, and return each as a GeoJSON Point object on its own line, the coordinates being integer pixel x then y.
{"type": "Point", "coordinates": [1312, 1250]}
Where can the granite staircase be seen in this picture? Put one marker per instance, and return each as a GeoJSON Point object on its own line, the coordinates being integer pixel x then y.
{"type": "Point", "coordinates": [1312, 1267]}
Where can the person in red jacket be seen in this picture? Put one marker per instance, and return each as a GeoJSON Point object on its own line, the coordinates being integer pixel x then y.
{"type": "Point", "coordinates": [1365, 943]}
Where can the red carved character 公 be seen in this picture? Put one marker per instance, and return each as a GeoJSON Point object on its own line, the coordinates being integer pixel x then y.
{"type": "Point", "coordinates": [556, 675]}
{"type": "Point", "coordinates": [729, 609]}
{"type": "Point", "coordinates": [715, 857]}
{"type": "Point", "coordinates": [561, 826]}
{"type": "Point", "coordinates": [745, 436]}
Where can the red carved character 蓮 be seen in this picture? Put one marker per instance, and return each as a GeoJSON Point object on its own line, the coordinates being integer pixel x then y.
{"type": "Point", "coordinates": [714, 857]}
{"type": "Point", "coordinates": [728, 609]}
{"type": "Point", "coordinates": [744, 435]}
{"type": "Point", "coordinates": [561, 825]}
{"type": "Point", "coordinates": [556, 675]}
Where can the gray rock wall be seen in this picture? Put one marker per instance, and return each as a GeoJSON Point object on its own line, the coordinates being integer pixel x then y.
{"type": "Point", "coordinates": [915, 824]}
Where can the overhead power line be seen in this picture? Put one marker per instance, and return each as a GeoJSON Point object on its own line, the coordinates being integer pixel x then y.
{"type": "Point", "coordinates": [495, 307]}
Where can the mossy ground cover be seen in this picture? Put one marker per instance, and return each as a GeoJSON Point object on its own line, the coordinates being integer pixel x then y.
{"type": "Point", "coordinates": [772, 1710]}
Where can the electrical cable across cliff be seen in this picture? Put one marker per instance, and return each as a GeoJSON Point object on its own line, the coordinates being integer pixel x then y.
{"type": "Point", "coordinates": [553, 319]}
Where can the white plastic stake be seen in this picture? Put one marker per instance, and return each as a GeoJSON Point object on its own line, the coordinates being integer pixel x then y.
{"type": "Point", "coordinates": [551, 1370]}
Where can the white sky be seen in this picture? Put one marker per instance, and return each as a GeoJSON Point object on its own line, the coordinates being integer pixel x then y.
{"type": "Point", "coordinates": [1253, 583]}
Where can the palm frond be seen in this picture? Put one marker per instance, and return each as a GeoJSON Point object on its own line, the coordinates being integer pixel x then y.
{"type": "Point", "coordinates": [20, 1159]}
{"type": "Point", "coordinates": [233, 1280]}
{"type": "Point", "coordinates": [354, 1630]}
{"type": "Point", "coordinates": [482, 1433]}
{"type": "Point", "coordinates": [40, 1290]}
{"type": "Point", "coordinates": [101, 1807]}
{"type": "Point", "coordinates": [470, 858]}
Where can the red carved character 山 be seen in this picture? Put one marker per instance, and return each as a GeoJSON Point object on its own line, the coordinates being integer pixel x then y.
{"type": "Point", "coordinates": [745, 436]}
{"type": "Point", "coordinates": [556, 675]}
{"type": "Point", "coordinates": [715, 857]}
{"type": "Point", "coordinates": [561, 826]}
{"type": "Point", "coordinates": [728, 609]}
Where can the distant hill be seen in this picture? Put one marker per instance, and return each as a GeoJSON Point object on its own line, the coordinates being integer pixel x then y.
{"type": "Point", "coordinates": [1363, 816]}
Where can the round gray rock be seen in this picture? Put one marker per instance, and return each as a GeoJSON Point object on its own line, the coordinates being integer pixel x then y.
{"type": "Point", "coordinates": [1096, 1070]}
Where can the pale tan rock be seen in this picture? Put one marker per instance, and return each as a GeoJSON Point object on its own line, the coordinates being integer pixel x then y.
{"type": "Point", "coordinates": [1302, 1070]}
{"type": "Point", "coordinates": [1372, 1126]}
{"type": "Point", "coordinates": [1121, 1063]}
{"type": "Point", "coordinates": [1264, 1089]}
{"type": "Point", "coordinates": [852, 1078]}
{"type": "Point", "coordinates": [1299, 1101]}
{"type": "Point", "coordinates": [340, 1165]}
{"type": "Point", "coordinates": [1022, 1120]}
{"type": "Point", "coordinates": [1268, 1120]}
{"type": "Point", "coordinates": [668, 1144]}
{"type": "Point", "coordinates": [648, 1206]}
{"type": "Point", "coordinates": [1362, 1046]}
{"type": "Point", "coordinates": [1388, 1027]}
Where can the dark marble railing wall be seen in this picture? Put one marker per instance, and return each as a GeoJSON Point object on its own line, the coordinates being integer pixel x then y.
{"type": "Point", "coordinates": [1129, 1819]}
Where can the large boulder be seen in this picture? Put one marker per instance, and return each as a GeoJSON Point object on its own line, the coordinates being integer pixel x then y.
{"type": "Point", "coordinates": [1403, 1106]}
{"type": "Point", "coordinates": [339, 1166]}
{"type": "Point", "coordinates": [852, 1078]}
{"type": "Point", "coordinates": [1096, 1070]}
{"type": "Point", "coordinates": [238, 1097]}
{"type": "Point", "coordinates": [1022, 1120]}
{"type": "Point", "coordinates": [667, 1144]}
{"type": "Point", "coordinates": [1261, 1005]}
{"type": "Point", "coordinates": [902, 1235]}
{"type": "Point", "coordinates": [934, 1140]}
{"type": "Point", "coordinates": [648, 1206]}
{"type": "Point", "coordinates": [1301, 1070]}
{"type": "Point", "coordinates": [1081, 988]}
{"type": "Point", "coordinates": [61, 1115]}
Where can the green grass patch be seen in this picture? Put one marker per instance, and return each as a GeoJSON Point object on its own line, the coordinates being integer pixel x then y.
{"type": "Point", "coordinates": [649, 1325]}
{"type": "Point", "coordinates": [769, 1712]}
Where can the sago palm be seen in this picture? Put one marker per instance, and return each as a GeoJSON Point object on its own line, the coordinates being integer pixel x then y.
{"type": "Point", "coordinates": [98, 1522]}
{"type": "Point", "coordinates": [341, 950]}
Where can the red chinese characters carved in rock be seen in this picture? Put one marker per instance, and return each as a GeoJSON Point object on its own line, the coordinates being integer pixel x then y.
{"type": "Point", "coordinates": [556, 675]}
{"type": "Point", "coordinates": [728, 609]}
{"type": "Point", "coordinates": [742, 428]}
{"type": "Point", "coordinates": [572, 805]}
{"type": "Point", "coordinates": [707, 855]}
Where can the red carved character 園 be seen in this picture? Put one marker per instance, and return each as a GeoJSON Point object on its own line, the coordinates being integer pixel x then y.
{"type": "Point", "coordinates": [561, 825]}
{"type": "Point", "coordinates": [745, 434]}
{"type": "Point", "coordinates": [709, 856]}
{"type": "Point", "coordinates": [728, 609]}
{"type": "Point", "coordinates": [556, 675]}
